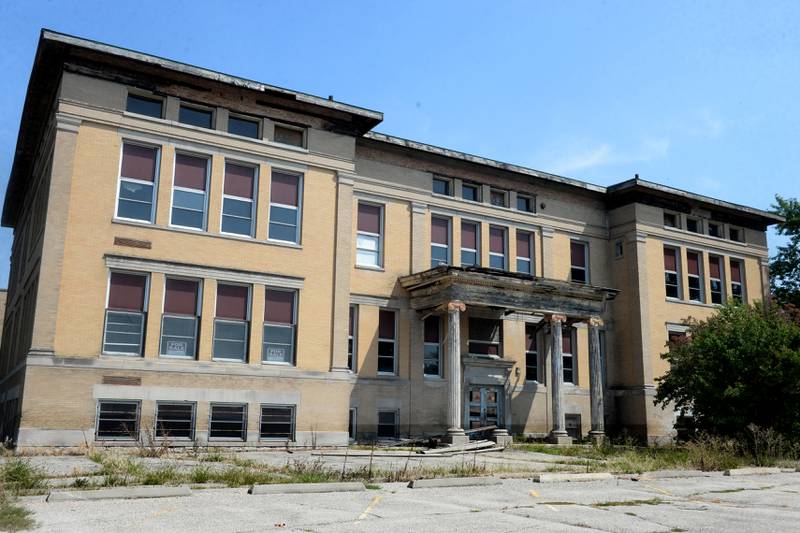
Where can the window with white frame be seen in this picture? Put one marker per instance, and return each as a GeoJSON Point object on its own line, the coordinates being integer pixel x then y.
{"type": "Point", "coordinates": [531, 353]}
{"type": "Point", "coordinates": [369, 236]}
{"type": "Point", "coordinates": [228, 421]}
{"type": "Point", "coordinates": [470, 243]}
{"type": "Point", "coordinates": [443, 186]}
{"type": "Point", "coordinates": [181, 318]}
{"type": "Point", "coordinates": [671, 273]}
{"type": "Point", "coordinates": [387, 341]}
{"type": "Point", "coordinates": [280, 326]}
{"type": "Point", "coordinates": [485, 336]}
{"type": "Point", "coordinates": [568, 353]}
{"type": "Point", "coordinates": [238, 199]}
{"type": "Point", "coordinates": [694, 270]}
{"type": "Point", "coordinates": [737, 280]}
{"type": "Point", "coordinates": [232, 322]}
{"type": "Point", "coordinates": [440, 241]}
{"type": "Point", "coordinates": [432, 363]}
{"type": "Point", "coordinates": [123, 333]}
{"type": "Point", "coordinates": [715, 279]}
{"type": "Point", "coordinates": [175, 420]}
{"type": "Point", "coordinates": [277, 422]}
{"type": "Point", "coordinates": [117, 420]}
{"type": "Point", "coordinates": [285, 206]}
{"type": "Point", "coordinates": [387, 424]}
{"type": "Point", "coordinates": [471, 192]}
{"type": "Point", "coordinates": [189, 186]}
{"type": "Point", "coordinates": [498, 247]}
{"type": "Point", "coordinates": [137, 182]}
{"type": "Point", "coordinates": [352, 338]}
{"type": "Point", "coordinates": [524, 252]}
{"type": "Point", "coordinates": [579, 261]}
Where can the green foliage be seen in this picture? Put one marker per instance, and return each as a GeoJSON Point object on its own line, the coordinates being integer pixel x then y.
{"type": "Point", "coordinates": [741, 367]}
{"type": "Point", "coordinates": [19, 476]}
{"type": "Point", "coordinates": [15, 518]}
{"type": "Point", "coordinates": [785, 267]}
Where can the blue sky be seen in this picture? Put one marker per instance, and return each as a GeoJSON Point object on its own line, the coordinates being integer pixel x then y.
{"type": "Point", "coordinates": [697, 95]}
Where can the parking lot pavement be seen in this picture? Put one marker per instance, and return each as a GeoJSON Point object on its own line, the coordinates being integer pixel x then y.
{"type": "Point", "coordinates": [717, 503]}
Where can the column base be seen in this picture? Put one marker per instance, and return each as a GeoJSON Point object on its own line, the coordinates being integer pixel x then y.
{"type": "Point", "coordinates": [501, 437]}
{"type": "Point", "coordinates": [559, 438]}
{"type": "Point", "coordinates": [456, 437]}
{"type": "Point", "coordinates": [597, 437]}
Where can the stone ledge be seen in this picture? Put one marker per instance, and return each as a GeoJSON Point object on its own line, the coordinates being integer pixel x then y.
{"type": "Point", "coordinates": [301, 488]}
{"type": "Point", "coordinates": [119, 493]}
{"type": "Point", "coordinates": [453, 482]}
{"type": "Point", "coordinates": [753, 471]}
{"type": "Point", "coordinates": [568, 478]}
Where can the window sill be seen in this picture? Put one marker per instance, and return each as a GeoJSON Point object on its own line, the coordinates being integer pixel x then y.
{"type": "Point", "coordinates": [370, 268]}
{"type": "Point", "coordinates": [691, 302]}
{"type": "Point", "coordinates": [177, 357]}
{"type": "Point", "coordinates": [277, 363]}
{"type": "Point", "coordinates": [386, 375]}
{"type": "Point", "coordinates": [222, 360]}
{"type": "Point", "coordinates": [435, 379]}
{"type": "Point", "coordinates": [285, 244]}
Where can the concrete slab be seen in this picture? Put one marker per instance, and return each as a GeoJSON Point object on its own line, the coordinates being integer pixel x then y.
{"type": "Point", "coordinates": [304, 488]}
{"type": "Point", "coordinates": [119, 493]}
{"type": "Point", "coordinates": [671, 474]}
{"type": "Point", "coordinates": [754, 471]}
{"type": "Point", "coordinates": [453, 482]}
{"type": "Point", "coordinates": [569, 478]}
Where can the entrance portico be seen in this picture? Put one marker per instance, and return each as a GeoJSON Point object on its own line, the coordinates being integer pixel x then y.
{"type": "Point", "coordinates": [471, 377]}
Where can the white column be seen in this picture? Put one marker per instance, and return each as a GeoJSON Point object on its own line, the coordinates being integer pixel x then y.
{"type": "Point", "coordinates": [596, 380]}
{"type": "Point", "coordinates": [455, 398]}
{"type": "Point", "coordinates": [559, 432]}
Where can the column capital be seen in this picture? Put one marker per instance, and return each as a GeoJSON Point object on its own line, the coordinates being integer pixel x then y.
{"type": "Point", "coordinates": [456, 305]}
{"type": "Point", "coordinates": [595, 322]}
{"type": "Point", "coordinates": [558, 318]}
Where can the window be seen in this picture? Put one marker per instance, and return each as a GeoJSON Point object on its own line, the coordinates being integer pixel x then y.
{"type": "Point", "coordinates": [470, 244]}
{"type": "Point", "coordinates": [277, 422]}
{"type": "Point", "coordinates": [387, 342]}
{"type": "Point", "coordinates": [142, 105]}
{"type": "Point", "coordinates": [531, 353]}
{"type": "Point", "coordinates": [231, 322]}
{"type": "Point", "coordinates": [524, 252]}
{"type": "Point", "coordinates": [715, 278]}
{"type": "Point", "coordinates": [189, 192]}
{"type": "Point", "coordinates": [694, 270]}
{"type": "Point", "coordinates": [284, 207]}
{"type": "Point", "coordinates": [737, 292]}
{"type": "Point", "coordinates": [671, 277]}
{"type": "Point", "coordinates": [736, 234]}
{"type": "Point", "coordinates": [525, 203]}
{"type": "Point", "coordinates": [443, 186]}
{"type": "Point", "coordinates": [195, 116]}
{"type": "Point", "coordinates": [497, 247]}
{"type": "Point", "coordinates": [433, 348]}
{"type": "Point", "coordinates": [693, 225]}
{"type": "Point", "coordinates": [137, 179]}
{"type": "Point", "coordinates": [675, 338]}
{"type": "Point", "coordinates": [485, 336]}
{"type": "Point", "coordinates": [471, 192]}
{"type": "Point", "coordinates": [567, 353]}
{"type": "Point", "coordinates": [352, 423]}
{"type": "Point", "coordinates": [228, 421]}
{"type": "Point", "coordinates": [387, 424]}
{"type": "Point", "coordinates": [175, 420]}
{"type": "Point", "coordinates": [619, 250]}
{"type": "Point", "coordinates": [280, 324]}
{"type": "Point", "coordinates": [289, 135]}
{"type": "Point", "coordinates": [117, 420]}
{"type": "Point", "coordinates": [579, 261]}
{"type": "Point", "coordinates": [714, 229]}
{"type": "Point", "coordinates": [352, 338]}
{"type": "Point", "coordinates": [498, 198]}
{"type": "Point", "coordinates": [369, 239]}
{"type": "Point", "coordinates": [181, 318]}
{"type": "Point", "coordinates": [440, 241]}
{"type": "Point", "coordinates": [125, 314]}
{"type": "Point", "coordinates": [671, 220]}
{"type": "Point", "coordinates": [238, 196]}
{"type": "Point", "coordinates": [245, 127]}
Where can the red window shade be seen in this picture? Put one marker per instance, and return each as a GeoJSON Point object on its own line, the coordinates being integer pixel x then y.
{"type": "Point", "coordinates": [566, 340]}
{"type": "Point", "coordinates": [524, 244]}
{"type": "Point", "coordinates": [190, 172]}
{"type": "Point", "coordinates": [469, 235]}
{"type": "Point", "coordinates": [369, 218]}
{"type": "Point", "coordinates": [386, 324]}
{"type": "Point", "coordinates": [232, 302]}
{"type": "Point", "coordinates": [439, 233]}
{"type": "Point", "coordinates": [432, 329]}
{"type": "Point", "coordinates": [285, 188]}
{"type": "Point", "coordinates": [127, 291]}
{"type": "Point", "coordinates": [670, 260]}
{"type": "Point", "coordinates": [180, 296]}
{"type": "Point", "coordinates": [497, 240]}
{"type": "Point", "coordinates": [577, 252]}
{"type": "Point", "coordinates": [239, 180]}
{"type": "Point", "coordinates": [736, 271]}
{"type": "Point", "coordinates": [693, 263]}
{"type": "Point", "coordinates": [138, 162]}
{"type": "Point", "coordinates": [714, 269]}
{"type": "Point", "coordinates": [530, 338]}
{"type": "Point", "coordinates": [279, 307]}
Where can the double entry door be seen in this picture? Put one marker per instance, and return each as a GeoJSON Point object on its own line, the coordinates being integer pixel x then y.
{"type": "Point", "coordinates": [484, 406]}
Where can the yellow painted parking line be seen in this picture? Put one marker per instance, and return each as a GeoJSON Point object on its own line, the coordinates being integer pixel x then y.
{"type": "Point", "coordinates": [370, 507]}
{"type": "Point", "coordinates": [662, 491]}
{"type": "Point", "coordinates": [552, 508]}
{"type": "Point", "coordinates": [534, 494]}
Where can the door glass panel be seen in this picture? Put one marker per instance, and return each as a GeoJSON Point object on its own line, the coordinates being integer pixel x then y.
{"type": "Point", "coordinates": [491, 396]}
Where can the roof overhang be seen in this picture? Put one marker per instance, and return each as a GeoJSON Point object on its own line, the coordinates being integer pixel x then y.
{"type": "Point", "coordinates": [486, 287]}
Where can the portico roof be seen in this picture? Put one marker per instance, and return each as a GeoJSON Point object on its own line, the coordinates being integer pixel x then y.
{"type": "Point", "coordinates": [488, 287]}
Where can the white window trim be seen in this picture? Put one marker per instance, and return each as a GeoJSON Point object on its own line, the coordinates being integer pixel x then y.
{"type": "Point", "coordinates": [145, 306]}
{"type": "Point", "coordinates": [741, 283]}
{"type": "Point", "coordinates": [197, 315]}
{"type": "Point", "coordinates": [585, 269]}
{"type": "Point", "coordinates": [298, 208]}
{"type": "Point", "coordinates": [721, 279]}
{"type": "Point", "coordinates": [476, 251]}
{"type": "Point", "coordinates": [393, 341]}
{"type": "Point", "coordinates": [186, 189]}
{"type": "Point", "coordinates": [447, 247]}
{"type": "Point", "coordinates": [528, 259]}
{"type": "Point", "coordinates": [253, 201]}
{"type": "Point", "coordinates": [248, 322]}
{"type": "Point", "coordinates": [505, 247]}
{"type": "Point", "coordinates": [293, 326]}
{"type": "Point", "coordinates": [154, 183]}
{"type": "Point", "coordinates": [571, 355]}
{"type": "Point", "coordinates": [700, 276]}
{"type": "Point", "coordinates": [677, 273]}
{"type": "Point", "coordinates": [379, 236]}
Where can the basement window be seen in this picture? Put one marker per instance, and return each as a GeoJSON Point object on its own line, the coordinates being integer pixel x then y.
{"type": "Point", "coordinates": [387, 424]}
{"type": "Point", "coordinates": [277, 422]}
{"type": "Point", "coordinates": [118, 420]}
{"type": "Point", "coordinates": [175, 420]}
{"type": "Point", "coordinates": [228, 421]}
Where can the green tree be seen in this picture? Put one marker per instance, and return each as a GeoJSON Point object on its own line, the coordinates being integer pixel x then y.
{"type": "Point", "coordinates": [739, 367]}
{"type": "Point", "coordinates": [784, 268]}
